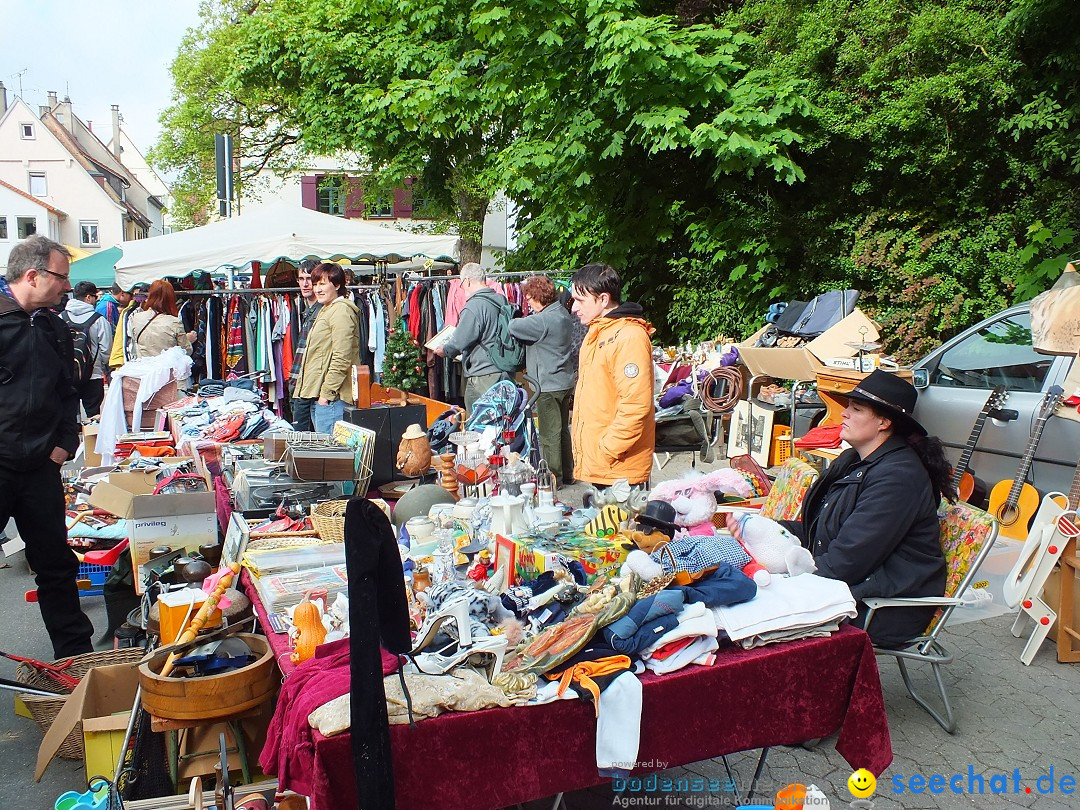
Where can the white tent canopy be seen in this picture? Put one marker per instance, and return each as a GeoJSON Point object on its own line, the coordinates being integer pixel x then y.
{"type": "Point", "coordinates": [270, 233]}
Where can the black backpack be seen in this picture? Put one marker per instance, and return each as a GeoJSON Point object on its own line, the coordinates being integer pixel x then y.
{"type": "Point", "coordinates": [506, 352]}
{"type": "Point", "coordinates": [83, 355]}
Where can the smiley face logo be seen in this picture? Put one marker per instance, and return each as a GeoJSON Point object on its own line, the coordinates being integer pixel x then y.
{"type": "Point", "coordinates": [862, 784]}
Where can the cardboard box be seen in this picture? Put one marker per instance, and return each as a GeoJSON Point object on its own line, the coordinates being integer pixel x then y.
{"type": "Point", "coordinates": [103, 699]}
{"type": "Point", "coordinates": [181, 521]}
{"type": "Point", "coordinates": [805, 362]}
{"type": "Point", "coordinates": [90, 453]}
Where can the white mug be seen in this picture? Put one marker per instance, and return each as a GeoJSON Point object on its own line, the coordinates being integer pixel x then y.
{"type": "Point", "coordinates": [420, 528]}
{"type": "Point", "coordinates": [549, 514]}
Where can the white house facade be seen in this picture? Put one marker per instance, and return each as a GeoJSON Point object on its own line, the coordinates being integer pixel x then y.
{"type": "Point", "coordinates": [56, 158]}
{"type": "Point", "coordinates": [22, 214]}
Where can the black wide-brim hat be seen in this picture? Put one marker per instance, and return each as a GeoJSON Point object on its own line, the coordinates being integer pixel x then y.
{"type": "Point", "coordinates": [893, 395]}
{"type": "Point", "coordinates": [659, 515]}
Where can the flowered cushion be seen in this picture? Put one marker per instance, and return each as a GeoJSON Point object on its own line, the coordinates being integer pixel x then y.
{"type": "Point", "coordinates": [964, 531]}
{"type": "Point", "coordinates": [788, 490]}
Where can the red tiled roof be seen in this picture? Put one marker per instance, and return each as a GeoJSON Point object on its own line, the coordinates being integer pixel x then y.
{"type": "Point", "coordinates": [32, 198]}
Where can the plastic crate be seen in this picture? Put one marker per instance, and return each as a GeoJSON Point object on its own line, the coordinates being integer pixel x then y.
{"type": "Point", "coordinates": [781, 446]}
{"type": "Point", "coordinates": [96, 574]}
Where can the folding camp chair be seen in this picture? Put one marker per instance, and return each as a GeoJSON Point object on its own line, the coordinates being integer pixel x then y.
{"type": "Point", "coordinates": [967, 535]}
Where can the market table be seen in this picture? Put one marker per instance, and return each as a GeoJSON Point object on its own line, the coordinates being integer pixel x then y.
{"type": "Point", "coordinates": [781, 694]}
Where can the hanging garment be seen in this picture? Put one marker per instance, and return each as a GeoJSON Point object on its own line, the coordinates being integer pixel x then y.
{"type": "Point", "coordinates": [378, 613]}
{"type": "Point", "coordinates": [378, 329]}
{"type": "Point", "coordinates": [234, 351]}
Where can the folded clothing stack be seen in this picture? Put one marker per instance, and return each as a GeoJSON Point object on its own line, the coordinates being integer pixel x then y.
{"type": "Point", "coordinates": [791, 607]}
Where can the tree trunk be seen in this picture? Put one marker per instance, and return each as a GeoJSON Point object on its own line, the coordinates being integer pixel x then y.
{"type": "Point", "coordinates": [471, 212]}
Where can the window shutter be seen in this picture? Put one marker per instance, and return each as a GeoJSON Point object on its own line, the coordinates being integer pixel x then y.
{"type": "Point", "coordinates": [403, 203]}
{"type": "Point", "coordinates": [309, 192]}
{"type": "Point", "coordinates": [354, 198]}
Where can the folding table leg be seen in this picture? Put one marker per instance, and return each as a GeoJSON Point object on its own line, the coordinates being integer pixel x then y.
{"type": "Point", "coordinates": [753, 782]}
{"type": "Point", "coordinates": [757, 773]}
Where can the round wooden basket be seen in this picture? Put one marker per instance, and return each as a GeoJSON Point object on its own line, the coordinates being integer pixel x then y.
{"type": "Point", "coordinates": [45, 709]}
{"type": "Point", "coordinates": [329, 518]}
{"type": "Point", "coordinates": [213, 696]}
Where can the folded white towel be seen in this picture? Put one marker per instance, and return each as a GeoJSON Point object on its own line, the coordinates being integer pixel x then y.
{"type": "Point", "coordinates": [802, 601]}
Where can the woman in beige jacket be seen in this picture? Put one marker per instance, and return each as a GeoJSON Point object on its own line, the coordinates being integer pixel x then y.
{"type": "Point", "coordinates": [156, 328]}
{"type": "Point", "coordinates": [333, 348]}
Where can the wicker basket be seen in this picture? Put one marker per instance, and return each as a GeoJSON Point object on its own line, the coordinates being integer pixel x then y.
{"type": "Point", "coordinates": [45, 709]}
{"type": "Point", "coordinates": [329, 519]}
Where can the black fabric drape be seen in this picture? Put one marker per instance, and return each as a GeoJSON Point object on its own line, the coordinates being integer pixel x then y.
{"type": "Point", "coordinates": [378, 614]}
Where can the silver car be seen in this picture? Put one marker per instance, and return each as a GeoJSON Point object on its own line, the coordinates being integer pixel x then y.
{"type": "Point", "coordinates": [958, 380]}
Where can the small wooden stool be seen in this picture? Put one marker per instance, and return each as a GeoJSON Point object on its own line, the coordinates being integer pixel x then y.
{"type": "Point", "coordinates": [172, 729]}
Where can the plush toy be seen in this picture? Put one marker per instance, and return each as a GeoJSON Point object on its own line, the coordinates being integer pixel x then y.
{"type": "Point", "coordinates": [640, 563]}
{"type": "Point", "coordinates": [414, 452]}
{"type": "Point", "coordinates": [607, 523]}
{"type": "Point", "coordinates": [694, 497]}
{"type": "Point", "coordinates": [631, 539]}
{"type": "Point", "coordinates": [771, 545]}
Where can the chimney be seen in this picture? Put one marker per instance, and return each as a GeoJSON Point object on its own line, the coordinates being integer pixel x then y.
{"type": "Point", "coordinates": [3, 99]}
{"type": "Point", "coordinates": [63, 114]}
{"type": "Point", "coordinates": [116, 131]}
{"type": "Point", "coordinates": [52, 99]}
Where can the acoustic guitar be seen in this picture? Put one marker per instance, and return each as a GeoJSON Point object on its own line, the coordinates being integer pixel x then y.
{"type": "Point", "coordinates": [971, 489]}
{"type": "Point", "coordinates": [1015, 502]}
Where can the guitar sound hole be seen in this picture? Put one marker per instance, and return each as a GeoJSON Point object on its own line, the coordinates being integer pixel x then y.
{"type": "Point", "coordinates": [1007, 515]}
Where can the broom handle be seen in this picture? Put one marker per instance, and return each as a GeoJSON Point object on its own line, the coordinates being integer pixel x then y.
{"type": "Point", "coordinates": [201, 617]}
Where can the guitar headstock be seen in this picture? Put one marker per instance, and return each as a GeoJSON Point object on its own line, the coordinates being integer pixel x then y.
{"type": "Point", "coordinates": [1051, 401]}
{"type": "Point", "coordinates": [997, 398]}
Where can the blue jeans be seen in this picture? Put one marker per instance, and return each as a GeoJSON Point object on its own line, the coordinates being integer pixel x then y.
{"type": "Point", "coordinates": [324, 416]}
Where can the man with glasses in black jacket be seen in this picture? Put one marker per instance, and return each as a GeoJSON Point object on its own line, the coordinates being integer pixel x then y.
{"type": "Point", "coordinates": [38, 420]}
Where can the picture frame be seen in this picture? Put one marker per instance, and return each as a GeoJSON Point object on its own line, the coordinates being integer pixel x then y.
{"type": "Point", "coordinates": [440, 338]}
{"type": "Point", "coordinates": [750, 433]}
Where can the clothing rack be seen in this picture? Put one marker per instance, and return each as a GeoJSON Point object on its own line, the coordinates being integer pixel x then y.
{"type": "Point", "coordinates": [266, 290]}
{"type": "Point", "coordinates": [527, 273]}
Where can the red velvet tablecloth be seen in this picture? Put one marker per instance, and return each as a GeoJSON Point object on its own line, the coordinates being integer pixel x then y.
{"type": "Point", "coordinates": [781, 694]}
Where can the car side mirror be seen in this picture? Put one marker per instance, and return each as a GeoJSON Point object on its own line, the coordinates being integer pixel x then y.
{"type": "Point", "coordinates": [920, 378]}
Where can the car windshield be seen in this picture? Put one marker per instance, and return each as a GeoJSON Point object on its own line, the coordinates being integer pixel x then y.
{"type": "Point", "coordinates": [998, 353]}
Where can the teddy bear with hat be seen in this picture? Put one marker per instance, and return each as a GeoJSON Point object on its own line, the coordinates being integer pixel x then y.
{"type": "Point", "coordinates": [655, 526]}
{"type": "Point", "coordinates": [414, 452]}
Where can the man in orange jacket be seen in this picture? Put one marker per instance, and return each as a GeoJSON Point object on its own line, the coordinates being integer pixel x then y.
{"type": "Point", "coordinates": [614, 424]}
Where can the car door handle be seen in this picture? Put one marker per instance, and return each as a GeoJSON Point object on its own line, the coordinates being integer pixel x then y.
{"type": "Point", "coordinates": [1005, 414]}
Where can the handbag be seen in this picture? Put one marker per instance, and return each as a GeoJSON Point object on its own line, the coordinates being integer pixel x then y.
{"type": "Point", "coordinates": [789, 319]}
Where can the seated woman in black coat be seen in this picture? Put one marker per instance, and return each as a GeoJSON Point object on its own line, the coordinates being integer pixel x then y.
{"type": "Point", "coordinates": [871, 519]}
